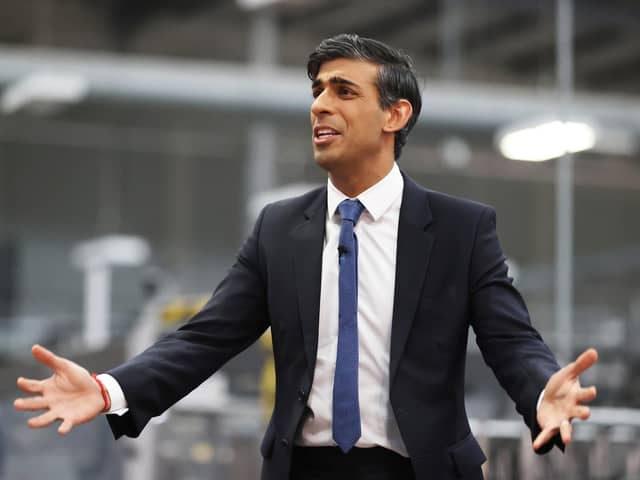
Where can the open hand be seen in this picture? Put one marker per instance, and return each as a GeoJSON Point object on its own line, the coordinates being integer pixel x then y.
{"type": "Point", "coordinates": [70, 394]}
{"type": "Point", "coordinates": [563, 399]}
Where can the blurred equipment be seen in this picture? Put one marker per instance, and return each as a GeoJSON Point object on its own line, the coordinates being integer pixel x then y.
{"type": "Point", "coordinates": [8, 278]}
{"type": "Point", "coordinates": [44, 92]}
{"type": "Point", "coordinates": [181, 308]}
{"type": "Point", "coordinates": [267, 377]}
{"type": "Point", "coordinates": [96, 258]}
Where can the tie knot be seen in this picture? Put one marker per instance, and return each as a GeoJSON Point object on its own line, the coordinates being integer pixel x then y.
{"type": "Point", "coordinates": [350, 210]}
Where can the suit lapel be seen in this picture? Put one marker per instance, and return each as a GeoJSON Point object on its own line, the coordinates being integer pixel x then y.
{"type": "Point", "coordinates": [412, 261]}
{"type": "Point", "coordinates": [308, 240]}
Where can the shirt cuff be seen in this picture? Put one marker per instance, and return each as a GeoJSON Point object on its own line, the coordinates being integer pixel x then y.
{"type": "Point", "coordinates": [116, 395]}
{"type": "Point", "coordinates": [540, 399]}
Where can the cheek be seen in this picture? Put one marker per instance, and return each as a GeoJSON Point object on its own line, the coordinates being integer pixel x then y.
{"type": "Point", "coordinates": [369, 128]}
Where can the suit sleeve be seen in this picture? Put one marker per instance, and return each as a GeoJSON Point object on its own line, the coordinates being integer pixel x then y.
{"type": "Point", "coordinates": [510, 345]}
{"type": "Point", "coordinates": [234, 317]}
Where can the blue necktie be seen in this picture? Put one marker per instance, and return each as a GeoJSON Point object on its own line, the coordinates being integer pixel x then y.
{"type": "Point", "coordinates": [346, 409]}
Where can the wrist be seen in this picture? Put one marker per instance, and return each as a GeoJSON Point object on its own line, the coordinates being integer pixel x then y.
{"type": "Point", "coordinates": [540, 398]}
{"type": "Point", "coordinates": [104, 393]}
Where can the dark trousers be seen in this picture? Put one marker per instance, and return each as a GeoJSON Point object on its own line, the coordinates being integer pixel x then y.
{"type": "Point", "coordinates": [329, 463]}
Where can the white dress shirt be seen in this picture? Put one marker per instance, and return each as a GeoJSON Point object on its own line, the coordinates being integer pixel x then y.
{"type": "Point", "coordinates": [116, 395]}
{"type": "Point", "coordinates": [377, 233]}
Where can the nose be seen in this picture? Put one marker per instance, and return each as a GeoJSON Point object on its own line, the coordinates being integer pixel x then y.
{"type": "Point", "coordinates": [321, 105]}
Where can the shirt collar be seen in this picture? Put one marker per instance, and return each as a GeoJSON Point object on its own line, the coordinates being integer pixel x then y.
{"type": "Point", "coordinates": [377, 199]}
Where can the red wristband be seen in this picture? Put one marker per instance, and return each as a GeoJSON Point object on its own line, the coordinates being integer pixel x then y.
{"type": "Point", "coordinates": [105, 394]}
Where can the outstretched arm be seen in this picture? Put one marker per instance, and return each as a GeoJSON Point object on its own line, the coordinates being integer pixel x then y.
{"type": "Point", "coordinates": [522, 362]}
{"type": "Point", "coordinates": [70, 394]}
{"type": "Point", "coordinates": [563, 400]}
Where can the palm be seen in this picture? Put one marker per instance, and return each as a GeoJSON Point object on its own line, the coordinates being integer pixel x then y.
{"type": "Point", "coordinates": [70, 394]}
{"type": "Point", "coordinates": [563, 400]}
{"type": "Point", "coordinates": [67, 390]}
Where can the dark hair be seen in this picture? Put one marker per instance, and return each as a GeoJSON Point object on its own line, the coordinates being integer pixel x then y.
{"type": "Point", "coordinates": [396, 79]}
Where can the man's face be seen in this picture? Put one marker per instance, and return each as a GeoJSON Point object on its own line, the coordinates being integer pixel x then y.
{"type": "Point", "coordinates": [346, 117]}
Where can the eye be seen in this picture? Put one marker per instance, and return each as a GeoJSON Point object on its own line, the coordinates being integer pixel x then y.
{"type": "Point", "coordinates": [345, 91]}
{"type": "Point", "coordinates": [316, 93]}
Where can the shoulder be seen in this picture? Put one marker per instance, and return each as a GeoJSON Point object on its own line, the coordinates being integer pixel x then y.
{"type": "Point", "coordinates": [445, 206]}
{"type": "Point", "coordinates": [293, 210]}
{"type": "Point", "coordinates": [299, 202]}
{"type": "Point", "coordinates": [460, 206]}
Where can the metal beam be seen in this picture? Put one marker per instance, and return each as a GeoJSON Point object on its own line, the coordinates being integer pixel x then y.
{"type": "Point", "coordinates": [424, 33]}
{"type": "Point", "coordinates": [286, 91]}
{"type": "Point", "coordinates": [118, 139]}
{"type": "Point", "coordinates": [540, 36]}
{"type": "Point", "coordinates": [537, 37]}
{"type": "Point", "coordinates": [624, 51]}
{"type": "Point", "coordinates": [354, 16]}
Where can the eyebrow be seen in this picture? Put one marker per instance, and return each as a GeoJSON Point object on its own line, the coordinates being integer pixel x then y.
{"type": "Point", "coordinates": [336, 80]}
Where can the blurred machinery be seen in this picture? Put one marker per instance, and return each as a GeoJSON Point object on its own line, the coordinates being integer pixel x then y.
{"type": "Point", "coordinates": [212, 432]}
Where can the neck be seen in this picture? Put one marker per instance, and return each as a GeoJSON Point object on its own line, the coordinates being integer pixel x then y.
{"type": "Point", "coordinates": [353, 184]}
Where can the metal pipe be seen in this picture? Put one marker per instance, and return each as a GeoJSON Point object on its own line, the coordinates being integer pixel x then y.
{"type": "Point", "coordinates": [564, 187]}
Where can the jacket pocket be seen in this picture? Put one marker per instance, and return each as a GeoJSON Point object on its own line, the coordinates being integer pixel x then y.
{"type": "Point", "coordinates": [467, 457]}
{"type": "Point", "coordinates": [266, 447]}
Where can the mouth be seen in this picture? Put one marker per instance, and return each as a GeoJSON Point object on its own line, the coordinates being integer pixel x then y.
{"type": "Point", "coordinates": [323, 135]}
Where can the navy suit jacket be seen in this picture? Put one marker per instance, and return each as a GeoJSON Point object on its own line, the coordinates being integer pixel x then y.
{"type": "Point", "coordinates": [450, 275]}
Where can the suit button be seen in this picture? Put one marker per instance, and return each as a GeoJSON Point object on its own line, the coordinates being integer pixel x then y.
{"type": "Point", "coordinates": [284, 442]}
{"type": "Point", "coordinates": [302, 395]}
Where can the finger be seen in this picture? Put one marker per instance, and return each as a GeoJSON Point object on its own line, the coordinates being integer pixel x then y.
{"type": "Point", "coordinates": [43, 420]}
{"type": "Point", "coordinates": [29, 385]}
{"type": "Point", "coordinates": [563, 375]}
{"type": "Point", "coordinates": [586, 394]}
{"type": "Point", "coordinates": [32, 403]}
{"type": "Point", "coordinates": [543, 437]}
{"type": "Point", "coordinates": [66, 427]}
{"type": "Point", "coordinates": [47, 357]}
{"type": "Point", "coordinates": [584, 361]}
{"type": "Point", "coordinates": [565, 431]}
{"type": "Point", "coordinates": [581, 412]}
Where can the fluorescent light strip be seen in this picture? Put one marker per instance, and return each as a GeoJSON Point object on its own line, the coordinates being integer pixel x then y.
{"type": "Point", "coordinates": [546, 141]}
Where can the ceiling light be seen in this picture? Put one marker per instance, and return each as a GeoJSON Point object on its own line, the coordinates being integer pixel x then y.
{"type": "Point", "coordinates": [545, 140]}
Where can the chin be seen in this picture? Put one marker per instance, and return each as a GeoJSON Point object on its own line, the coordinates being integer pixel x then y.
{"type": "Point", "coordinates": [324, 161]}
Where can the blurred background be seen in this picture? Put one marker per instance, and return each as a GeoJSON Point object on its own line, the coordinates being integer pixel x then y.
{"type": "Point", "coordinates": [139, 139]}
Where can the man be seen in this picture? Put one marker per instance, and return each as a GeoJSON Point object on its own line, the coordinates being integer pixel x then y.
{"type": "Point", "coordinates": [369, 286]}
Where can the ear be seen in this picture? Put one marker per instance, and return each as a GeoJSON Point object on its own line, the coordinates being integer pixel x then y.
{"type": "Point", "coordinates": [398, 115]}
